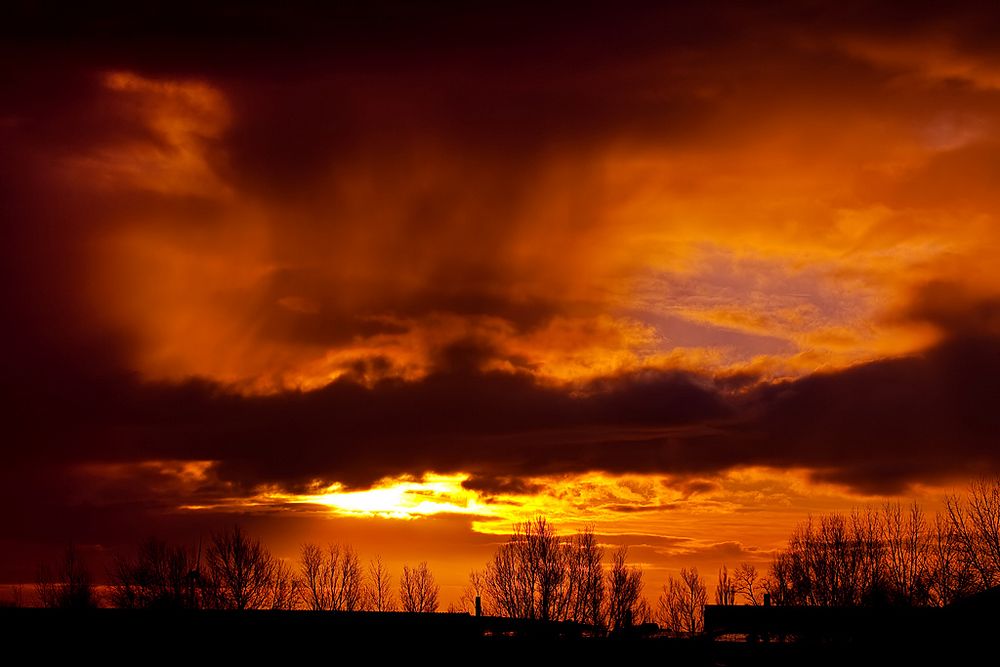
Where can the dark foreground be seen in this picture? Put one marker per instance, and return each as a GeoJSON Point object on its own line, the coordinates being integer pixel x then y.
{"type": "Point", "coordinates": [116, 636]}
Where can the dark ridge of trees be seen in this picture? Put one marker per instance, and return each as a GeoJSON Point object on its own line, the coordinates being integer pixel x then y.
{"type": "Point", "coordinates": [886, 556]}
{"type": "Point", "coordinates": [970, 544]}
{"type": "Point", "coordinates": [66, 584]}
{"type": "Point", "coordinates": [893, 555]}
{"type": "Point", "coordinates": [159, 577]}
{"type": "Point", "coordinates": [14, 598]}
{"type": "Point", "coordinates": [890, 555]}
{"type": "Point", "coordinates": [538, 575]}
{"type": "Point", "coordinates": [242, 574]}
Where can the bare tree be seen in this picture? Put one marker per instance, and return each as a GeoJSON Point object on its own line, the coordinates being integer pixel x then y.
{"type": "Point", "coordinates": [976, 528]}
{"type": "Point", "coordinates": [314, 569]}
{"type": "Point", "coordinates": [509, 586]}
{"type": "Point", "coordinates": [643, 612]}
{"type": "Point", "coordinates": [624, 591]}
{"type": "Point", "coordinates": [586, 574]}
{"type": "Point", "coordinates": [528, 576]}
{"type": "Point", "coordinates": [284, 588]}
{"type": "Point", "coordinates": [241, 572]}
{"type": "Point", "coordinates": [747, 583]}
{"type": "Point", "coordinates": [349, 590]}
{"type": "Point", "coordinates": [671, 606]}
{"type": "Point", "coordinates": [536, 574]}
{"type": "Point", "coordinates": [157, 578]}
{"type": "Point", "coordinates": [885, 556]}
{"type": "Point", "coordinates": [417, 590]}
{"type": "Point", "coordinates": [951, 575]}
{"type": "Point", "coordinates": [551, 560]}
{"type": "Point", "coordinates": [725, 589]}
{"type": "Point", "coordinates": [474, 589]}
{"type": "Point", "coordinates": [379, 587]}
{"type": "Point", "coordinates": [836, 561]}
{"type": "Point", "coordinates": [892, 555]}
{"type": "Point", "coordinates": [696, 593]}
{"type": "Point", "coordinates": [907, 554]}
{"type": "Point", "coordinates": [681, 605]}
{"type": "Point", "coordinates": [866, 545]}
{"type": "Point", "coordinates": [66, 585]}
{"type": "Point", "coordinates": [332, 579]}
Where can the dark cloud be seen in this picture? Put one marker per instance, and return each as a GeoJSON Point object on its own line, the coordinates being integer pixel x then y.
{"type": "Point", "coordinates": [494, 485]}
{"type": "Point", "coordinates": [694, 487]}
{"type": "Point", "coordinates": [876, 427]}
{"type": "Point", "coordinates": [633, 509]}
{"type": "Point", "coordinates": [456, 419]}
{"type": "Point", "coordinates": [880, 426]}
{"type": "Point", "coordinates": [955, 309]}
{"type": "Point", "coordinates": [726, 552]}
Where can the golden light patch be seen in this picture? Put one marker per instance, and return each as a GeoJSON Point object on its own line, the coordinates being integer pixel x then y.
{"type": "Point", "coordinates": [693, 512]}
{"type": "Point", "coordinates": [393, 499]}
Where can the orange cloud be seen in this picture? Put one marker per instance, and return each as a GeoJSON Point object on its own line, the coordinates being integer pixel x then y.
{"type": "Point", "coordinates": [771, 246]}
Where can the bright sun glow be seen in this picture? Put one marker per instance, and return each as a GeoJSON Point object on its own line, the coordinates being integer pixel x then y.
{"type": "Point", "coordinates": [397, 499]}
{"type": "Point", "coordinates": [689, 514]}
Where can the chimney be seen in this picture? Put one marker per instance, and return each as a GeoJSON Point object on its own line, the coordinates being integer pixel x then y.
{"type": "Point", "coordinates": [767, 599]}
{"type": "Point", "coordinates": [479, 606]}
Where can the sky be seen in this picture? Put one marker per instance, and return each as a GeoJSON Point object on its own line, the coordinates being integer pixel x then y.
{"type": "Point", "coordinates": [401, 274]}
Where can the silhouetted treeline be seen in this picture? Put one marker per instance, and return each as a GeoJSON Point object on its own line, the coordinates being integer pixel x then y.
{"type": "Point", "coordinates": [891, 555]}
{"type": "Point", "coordinates": [539, 575]}
{"type": "Point", "coordinates": [238, 572]}
{"type": "Point", "coordinates": [159, 577]}
{"type": "Point", "coordinates": [66, 584]}
{"type": "Point", "coordinates": [886, 556]}
{"type": "Point", "coordinates": [681, 605]}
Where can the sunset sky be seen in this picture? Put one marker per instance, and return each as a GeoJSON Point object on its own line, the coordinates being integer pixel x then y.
{"type": "Point", "coordinates": [401, 274]}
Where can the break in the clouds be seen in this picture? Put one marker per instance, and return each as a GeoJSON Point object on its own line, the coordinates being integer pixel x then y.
{"type": "Point", "coordinates": [272, 250]}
